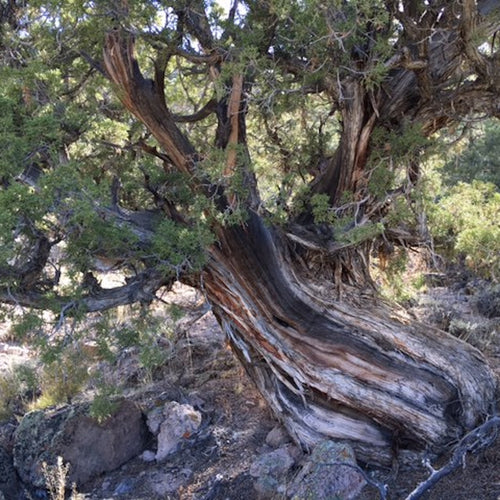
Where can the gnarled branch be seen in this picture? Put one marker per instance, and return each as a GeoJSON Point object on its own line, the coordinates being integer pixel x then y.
{"type": "Point", "coordinates": [141, 288]}
{"type": "Point", "coordinates": [145, 100]}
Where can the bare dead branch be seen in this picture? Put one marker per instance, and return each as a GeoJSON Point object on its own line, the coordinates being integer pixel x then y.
{"type": "Point", "coordinates": [476, 440]}
{"type": "Point", "coordinates": [141, 288]}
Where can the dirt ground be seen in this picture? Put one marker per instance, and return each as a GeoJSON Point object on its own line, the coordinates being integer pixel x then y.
{"type": "Point", "coordinates": [236, 421]}
{"type": "Point", "coordinates": [215, 464]}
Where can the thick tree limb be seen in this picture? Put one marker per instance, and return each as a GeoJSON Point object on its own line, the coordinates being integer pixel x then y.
{"type": "Point", "coordinates": [145, 101]}
{"type": "Point", "coordinates": [196, 21]}
{"type": "Point", "coordinates": [209, 108]}
{"type": "Point", "coordinates": [233, 111]}
{"type": "Point", "coordinates": [194, 57]}
{"type": "Point", "coordinates": [141, 288]}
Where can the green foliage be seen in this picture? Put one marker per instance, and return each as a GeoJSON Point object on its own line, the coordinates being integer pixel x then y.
{"type": "Point", "coordinates": [477, 158]}
{"type": "Point", "coordinates": [390, 150]}
{"type": "Point", "coordinates": [26, 327]}
{"type": "Point", "coordinates": [155, 346]}
{"type": "Point", "coordinates": [60, 118]}
{"type": "Point", "coordinates": [321, 209]}
{"type": "Point", "coordinates": [345, 230]}
{"type": "Point", "coordinates": [292, 133]}
{"type": "Point", "coordinates": [394, 282]}
{"type": "Point", "coordinates": [104, 404]}
{"type": "Point", "coordinates": [126, 336]}
{"type": "Point", "coordinates": [381, 181]}
{"type": "Point", "coordinates": [176, 313]}
{"type": "Point", "coordinates": [18, 389]}
{"type": "Point", "coordinates": [365, 232]}
{"type": "Point", "coordinates": [176, 246]}
{"type": "Point", "coordinates": [465, 224]}
{"type": "Point", "coordinates": [62, 378]}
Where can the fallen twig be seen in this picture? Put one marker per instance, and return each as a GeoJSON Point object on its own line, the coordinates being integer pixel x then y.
{"type": "Point", "coordinates": [479, 438]}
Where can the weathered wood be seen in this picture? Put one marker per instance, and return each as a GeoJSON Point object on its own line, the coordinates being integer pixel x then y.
{"type": "Point", "coordinates": [349, 369]}
{"type": "Point", "coordinates": [330, 357]}
{"type": "Point", "coordinates": [142, 98]}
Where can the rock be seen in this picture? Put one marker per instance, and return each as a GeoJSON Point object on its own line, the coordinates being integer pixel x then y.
{"type": "Point", "coordinates": [10, 485]}
{"type": "Point", "coordinates": [277, 436]}
{"type": "Point", "coordinates": [323, 477]}
{"type": "Point", "coordinates": [275, 463]}
{"type": "Point", "coordinates": [106, 485]}
{"type": "Point", "coordinates": [270, 471]}
{"type": "Point", "coordinates": [89, 447]}
{"type": "Point", "coordinates": [125, 487]}
{"type": "Point", "coordinates": [148, 456]}
{"type": "Point", "coordinates": [154, 419]}
{"type": "Point", "coordinates": [180, 422]}
{"type": "Point", "coordinates": [7, 430]}
{"type": "Point", "coordinates": [166, 484]}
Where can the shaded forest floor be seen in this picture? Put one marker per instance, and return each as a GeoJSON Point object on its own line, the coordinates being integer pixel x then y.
{"type": "Point", "coordinates": [203, 372]}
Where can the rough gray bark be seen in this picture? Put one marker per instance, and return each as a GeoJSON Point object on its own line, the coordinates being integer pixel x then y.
{"type": "Point", "coordinates": [352, 369]}
{"type": "Point", "coordinates": [331, 358]}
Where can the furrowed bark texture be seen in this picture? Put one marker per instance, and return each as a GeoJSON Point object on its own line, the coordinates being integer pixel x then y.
{"type": "Point", "coordinates": [299, 308]}
{"type": "Point", "coordinates": [351, 370]}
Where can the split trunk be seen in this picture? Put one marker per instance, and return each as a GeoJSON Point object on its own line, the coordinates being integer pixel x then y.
{"type": "Point", "coordinates": [339, 362]}
{"type": "Point", "coordinates": [299, 308]}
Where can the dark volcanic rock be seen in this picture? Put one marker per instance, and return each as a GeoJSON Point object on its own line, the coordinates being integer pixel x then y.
{"type": "Point", "coordinates": [89, 447]}
{"type": "Point", "coordinates": [10, 486]}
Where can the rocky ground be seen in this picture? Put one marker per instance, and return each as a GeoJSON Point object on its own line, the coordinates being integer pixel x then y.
{"type": "Point", "coordinates": [225, 455]}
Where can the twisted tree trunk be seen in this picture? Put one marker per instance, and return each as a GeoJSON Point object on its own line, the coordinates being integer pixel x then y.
{"type": "Point", "coordinates": [299, 308]}
{"type": "Point", "coordinates": [351, 369]}
{"type": "Point", "coordinates": [296, 302]}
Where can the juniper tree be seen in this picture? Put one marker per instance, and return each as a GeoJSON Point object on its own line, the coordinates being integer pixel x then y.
{"type": "Point", "coordinates": [262, 155]}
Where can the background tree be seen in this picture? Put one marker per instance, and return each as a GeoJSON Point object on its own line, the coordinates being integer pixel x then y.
{"type": "Point", "coordinates": [268, 154]}
{"type": "Point", "coordinates": [478, 156]}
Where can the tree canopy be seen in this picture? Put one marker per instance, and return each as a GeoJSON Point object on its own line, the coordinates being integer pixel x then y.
{"type": "Point", "coordinates": [263, 154]}
{"type": "Point", "coordinates": [239, 110]}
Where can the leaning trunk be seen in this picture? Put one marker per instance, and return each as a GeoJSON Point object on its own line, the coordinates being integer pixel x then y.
{"type": "Point", "coordinates": [299, 308]}
{"type": "Point", "coordinates": [335, 361]}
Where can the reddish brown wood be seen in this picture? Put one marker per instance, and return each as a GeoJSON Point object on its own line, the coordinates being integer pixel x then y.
{"type": "Point", "coordinates": [351, 368]}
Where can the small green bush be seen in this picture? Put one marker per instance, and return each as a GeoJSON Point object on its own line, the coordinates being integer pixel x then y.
{"type": "Point", "coordinates": [63, 378]}
{"type": "Point", "coordinates": [477, 158]}
{"type": "Point", "coordinates": [465, 226]}
{"type": "Point", "coordinates": [104, 404]}
{"type": "Point", "coordinates": [18, 388]}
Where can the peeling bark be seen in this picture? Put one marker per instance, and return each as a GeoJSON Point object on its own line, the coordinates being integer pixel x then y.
{"type": "Point", "coordinates": [300, 311]}
{"type": "Point", "coordinates": [354, 369]}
